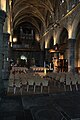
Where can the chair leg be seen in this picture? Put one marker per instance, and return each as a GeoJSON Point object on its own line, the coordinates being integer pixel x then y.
{"type": "Point", "coordinates": [41, 88]}
{"type": "Point", "coordinates": [27, 88]}
{"type": "Point", "coordinates": [34, 88]}
{"type": "Point", "coordinates": [14, 90]}
{"type": "Point", "coordinates": [21, 91]}
{"type": "Point", "coordinates": [65, 88]}
{"type": "Point", "coordinates": [8, 89]}
{"type": "Point", "coordinates": [59, 84]}
{"type": "Point", "coordinates": [48, 89]}
{"type": "Point", "coordinates": [76, 87]}
{"type": "Point", "coordinates": [70, 87]}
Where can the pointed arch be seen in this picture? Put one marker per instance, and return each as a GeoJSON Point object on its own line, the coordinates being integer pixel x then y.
{"type": "Point", "coordinates": [75, 24]}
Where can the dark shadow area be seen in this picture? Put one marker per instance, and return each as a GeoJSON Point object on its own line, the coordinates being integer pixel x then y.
{"type": "Point", "coordinates": [60, 106]}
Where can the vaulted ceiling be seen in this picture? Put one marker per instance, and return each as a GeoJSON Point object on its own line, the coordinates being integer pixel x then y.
{"type": "Point", "coordinates": [39, 14]}
{"type": "Point", "coordinates": [36, 12]}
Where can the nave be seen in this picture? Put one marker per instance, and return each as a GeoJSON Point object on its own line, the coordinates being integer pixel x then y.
{"type": "Point", "coordinates": [35, 34]}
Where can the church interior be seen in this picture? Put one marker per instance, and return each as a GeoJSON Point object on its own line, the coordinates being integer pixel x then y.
{"type": "Point", "coordinates": [39, 59]}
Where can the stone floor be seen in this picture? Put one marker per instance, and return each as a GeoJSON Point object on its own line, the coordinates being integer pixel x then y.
{"type": "Point", "coordinates": [60, 106]}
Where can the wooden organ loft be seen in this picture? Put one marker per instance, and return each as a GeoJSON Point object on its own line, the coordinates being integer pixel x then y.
{"type": "Point", "coordinates": [26, 45]}
{"type": "Point", "coordinates": [25, 38]}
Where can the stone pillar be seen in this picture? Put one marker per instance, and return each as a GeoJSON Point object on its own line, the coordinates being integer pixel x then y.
{"type": "Point", "coordinates": [5, 71]}
{"type": "Point", "coordinates": [71, 55]}
{"type": "Point", "coordinates": [2, 20]}
{"type": "Point", "coordinates": [41, 59]}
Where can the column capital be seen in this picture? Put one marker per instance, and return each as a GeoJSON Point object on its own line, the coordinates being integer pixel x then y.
{"type": "Point", "coordinates": [2, 16]}
{"type": "Point", "coordinates": [72, 39]}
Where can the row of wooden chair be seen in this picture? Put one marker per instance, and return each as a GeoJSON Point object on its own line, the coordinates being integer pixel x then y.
{"type": "Point", "coordinates": [67, 79]}
{"type": "Point", "coordinates": [26, 79]}
{"type": "Point", "coordinates": [27, 86]}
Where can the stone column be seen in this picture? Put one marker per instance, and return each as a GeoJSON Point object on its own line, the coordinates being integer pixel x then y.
{"type": "Point", "coordinates": [71, 55]}
{"type": "Point", "coordinates": [5, 73]}
{"type": "Point", "coordinates": [2, 20]}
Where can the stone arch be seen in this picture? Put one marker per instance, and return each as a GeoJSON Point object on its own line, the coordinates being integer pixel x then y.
{"type": "Point", "coordinates": [59, 34]}
{"type": "Point", "coordinates": [75, 24]}
{"type": "Point", "coordinates": [64, 34]}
